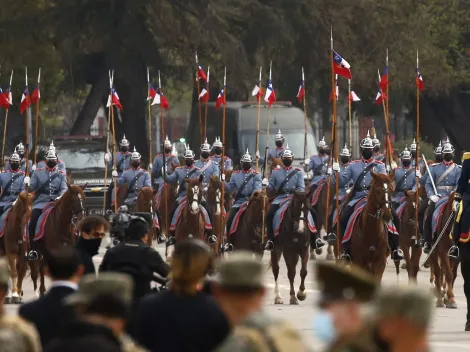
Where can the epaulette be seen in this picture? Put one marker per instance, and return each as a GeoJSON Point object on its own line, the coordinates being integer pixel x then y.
{"type": "Point", "coordinates": [237, 171]}
{"type": "Point", "coordinates": [379, 162]}
{"type": "Point", "coordinates": [173, 155]}
{"type": "Point", "coordinates": [39, 169]}
{"type": "Point", "coordinates": [61, 171]}
{"type": "Point", "coordinates": [254, 171]}
{"type": "Point", "coordinates": [466, 156]}
{"type": "Point", "coordinates": [276, 169]}
{"type": "Point", "coordinates": [354, 161]}
{"type": "Point", "coordinates": [227, 158]}
{"type": "Point", "coordinates": [298, 169]}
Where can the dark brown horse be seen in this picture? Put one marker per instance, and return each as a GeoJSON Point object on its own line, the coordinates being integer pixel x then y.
{"type": "Point", "coordinates": [369, 241]}
{"type": "Point", "coordinates": [58, 230]}
{"type": "Point", "coordinates": [249, 230]}
{"type": "Point", "coordinates": [15, 246]}
{"type": "Point", "coordinates": [293, 244]}
{"type": "Point", "coordinates": [168, 198]}
{"type": "Point", "coordinates": [215, 205]}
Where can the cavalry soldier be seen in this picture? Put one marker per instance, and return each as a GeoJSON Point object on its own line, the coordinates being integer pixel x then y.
{"type": "Point", "coordinates": [405, 178]}
{"type": "Point", "coordinates": [123, 161]}
{"type": "Point", "coordinates": [445, 176]}
{"type": "Point", "coordinates": [20, 149]}
{"type": "Point", "coordinates": [49, 184]}
{"type": "Point", "coordinates": [285, 181]}
{"type": "Point", "coordinates": [179, 177]}
{"type": "Point", "coordinates": [11, 182]}
{"type": "Point", "coordinates": [243, 183]}
{"type": "Point", "coordinates": [207, 166]}
{"type": "Point", "coordinates": [216, 155]}
{"type": "Point", "coordinates": [377, 154]}
{"type": "Point", "coordinates": [438, 158]}
{"type": "Point", "coordinates": [318, 164]}
{"type": "Point", "coordinates": [157, 166]}
{"type": "Point", "coordinates": [275, 153]}
{"type": "Point", "coordinates": [42, 163]}
{"type": "Point", "coordinates": [413, 155]}
{"type": "Point", "coordinates": [358, 173]}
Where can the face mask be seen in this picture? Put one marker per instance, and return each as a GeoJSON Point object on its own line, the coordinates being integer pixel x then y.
{"type": "Point", "coordinates": [51, 164]}
{"type": "Point", "coordinates": [439, 158]}
{"type": "Point", "coordinates": [135, 164]}
{"type": "Point", "coordinates": [90, 246]}
{"type": "Point", "coordinates": [14, 166]}
{"type": "Point", "coordinates": [21, 155]}
{"type": "Point", "coordinates": [218, 151]}
{"type": "Point", "coordinates": [124, 149]}
{"type": "Point", "coordinates": [246, 166]}
{"type": "Point", "coordinates": [345, 159]}
{"type": "Point", "coordinates": [204, 155]}
{"type": "Point", "coordinates": [322, 151]}
{"type": "Point", "coordinates": [413, 154]}
{"type": "Point", "coordinates": [167, 150]}
{"type": "Point", "coordinates": [323, 326]}
{"type": "Point", "coordinates": [287, 162]}
{"type": "Point", "coordinates": [279, 144]}
{"type": "Point", "coordinates": [406, 162]}
{"type": "Point", "coordinates": [367, 153]}
{"type": "Point", "coordinates": [448, 157]}
{"type": "Point", "coordinates": [188, 162]}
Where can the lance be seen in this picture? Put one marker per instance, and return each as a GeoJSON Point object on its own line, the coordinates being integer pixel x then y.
{"type": "Point", "coordinates": [162, 121]}
{"type": "Point", "coordinates": [149, 103]}
{"type": "Point", "coordinates": [259, 118]}
{"type": "Point", "coordinates": [417, 153]}
{"type": "Point", "coordinates": [205, 107]}
{"type": "Point", "coordinates": [114, 139]}
{"type": "Point", "coordinates": [305, 116]}
{"type": "Point", "coordinates": [223, 159]}
{"type": "Point", "coordinates": [107, 144]}
{"type": "Point", "coordinates": [27, 130]}
{"type": "Point", "coordinates": [265, 163]}
{"type": "Point", "coordinates": [387, 141]}
{"type": "Point", "coordinates": [6, 120]}
{"type": "Point", "coordinates": [387, 135]}
{"type": "Point", "coordinates": [37, 120]}
{"type": "Point", "coordinates": [350, 115]}
{"type": "Point", "coordinates": [199, 100]}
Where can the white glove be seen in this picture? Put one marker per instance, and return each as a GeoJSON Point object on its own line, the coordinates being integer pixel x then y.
{"type": "Point", "coordinates": [455, 205]}
{"type": "Point", "coordinates": [336, 167]}
{"type": "Point", "coordinates": [107, 157]}
{"type": "Point", "coordinates": [306, 162]}
{"type": "Point", "coordinates": [265, 182]}
{"type": "Point", "coordinates": [257, 154]}
{"type": "Point", "coordinates": [33, 168]}
{"type": "Point", "coordinates": [150, 167]}
{"type": "Point", "coordinates": [329, 171]}
{"type": "Point", "coordinates": [434, 198]}
{"type": "Point", "coordinates": [223, 177]}
{"type": "Point", "coordinates": [388, 168]}
{"type": "Point", "coordinates": [204, 189]}
{"type": "Point", "coordinates": [418, 174]}
{"type": "Point", "coordinates": [114, 173]}
{"type": "Point", "coordinates": [26, 180]}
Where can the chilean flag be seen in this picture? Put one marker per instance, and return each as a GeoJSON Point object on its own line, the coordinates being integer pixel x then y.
{"type": "Point", "coordinates": [25, 101]}
{"type": "Point", "coordinates": [270, 96]}
{"type": "Point", "coordinates": [257, 91]}
{"type": "Point", "coordinates": [419, 80]}
{"type": "Point", "coordinates": [380, 97]}
{"type": "Point", "coordinates": [353, 96]}
{"type": "Point", "coordinates": [384, 80]}
{"type": "Point", "coordinates": [8, 97]}
{"type": "Point", "coordinates": [341, 66]}
{"type": "Point", "coordinates": [220, 99]}
{"type": "Point", "coordinates": [161, 99]}
{"type": "Point", "coordinates": [114, 99]}
{"type": "Point", "coordinates": [152, 92]}
{"type": "Point", "coordinates": [201, 74]}
{"type": "Point", "coordinates": [301, 92]}
{"type": "Point", "coordinates": [4, 100]}
{"type": "Point", "coordinates": [36, 95]}
{"type": "Point", "coordinates": [204, 95]}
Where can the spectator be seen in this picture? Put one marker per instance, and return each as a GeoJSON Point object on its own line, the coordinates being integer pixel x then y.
{"type": "Point", "coordinates": [16, 335]}
{"type": "Point", "coordinates": [49, 313]}
{"type": "Point", "coordinates": [135, 258]}
{"type": "Point", "coordinates": [399, 321]}
{"type": "Point", "coordinates": [183, 318]}
{"type": "Point", "coordinates": [102, 304]}
{"type": "Point", "coordinates": [240, 290]}
{"type": "Point", "coordinates": [343, 294]}
{"type": "Point", "coordinates": [92, 229]}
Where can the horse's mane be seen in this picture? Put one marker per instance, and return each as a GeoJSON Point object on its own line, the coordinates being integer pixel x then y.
{"type": "Point", "coordinates": [65, 198]}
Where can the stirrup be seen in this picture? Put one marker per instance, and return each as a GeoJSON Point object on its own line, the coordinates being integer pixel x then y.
{"type": "Point", "coordinates": [171, 241]}
{"type": "Point", "coordinates": [269, 246]}
{"type": "Point", "coordinates": [346, 257]}
{"type": "Point", "coordinates": [397, 255]}
{"type": "Point", "coordinates": [454, 252]}
{"type": "Point", "coordinates": [331, 238]}
{"type": "Point", "coordinates": [33, 255]}
{"type": "Point", "coordinates": [161, 239]}
{"type": "Point", "coordinates": [228, 247]}
{"type": "Point", "coordinates": [212, 239]}
{"type": "Point", "coordinates": [426, 248]}
{"type": "Point", "coordinates": [319, 243]}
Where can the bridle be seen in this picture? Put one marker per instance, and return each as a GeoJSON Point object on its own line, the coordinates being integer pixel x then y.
{"type": "Point", "coordinates": [194, 202]}
{"type": "Point", "coordinates": [380, 205]}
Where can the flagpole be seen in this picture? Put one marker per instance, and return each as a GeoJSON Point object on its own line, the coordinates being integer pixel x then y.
{"type": "Point", "coordinates": [37, 121]}
{"type": "Point", "coordinates": [114, 142]}
{"type": "Point", "coordinates": [27, 132]}
{"type": "Point", "coordinates": [350, 115]}
{"type": "Point", "coordinates": [149, 117]}
{"type": "Point", "coordinates": [259, 118]}
{"type": "Point", "coordinates": [222, 237]}
{"type": "Point", "coordinates": [162, 122]}
{"type": "Point", "coordinates": [387, 133]}
{"type": "Point", "coordinates": [387, 140]}
{"type": "Point", "coordinates": [417, 152]}
{"type": "Point", "coordinates": [106, 166]}
{"type": "Point", "coordinates": [305, 116]}
{"type": "Point", "coordinates": [205, 108]}
{"type": "Point", "coordinates": [199, 101]}
{"type": "Point", "coordinates": [6, 121]}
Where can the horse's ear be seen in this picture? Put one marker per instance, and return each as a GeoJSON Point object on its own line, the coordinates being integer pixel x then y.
{"type": "Point", "coordinates": [373, 174]}
{"type": "Point", "coordinates": [69, 186]}
{"type": "Point", "coordinates": [201, 178]}
{"type": "Point", "coordinates": [83, 187]}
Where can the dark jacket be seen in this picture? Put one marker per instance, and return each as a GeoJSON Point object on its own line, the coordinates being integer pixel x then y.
{"type": "Point", "coordinates": [463, 185]}
{"type": "Point", "coordinates": [80, 336]}
{"type": "Point", "coordinates": [48, 313]}
{"type": "Point", "coordinates": [135, 258]}
{"type": "Point", "coordinates": [169, 322]}
{"type": "Point", "coordinates": [88, 249]}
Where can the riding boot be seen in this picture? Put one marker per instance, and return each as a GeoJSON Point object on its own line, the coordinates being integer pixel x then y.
{"type": "Point", "coordinates": [316, 242]}
{"type": "Point", "coordinates": [228, 247]}
{"type": "Point", "coordinates": [454, 250]}
{"type": "Point", "coordinates": [33, 254]}
{"type": "Point", "coordinates": [345, 252]}
{"type": "Point", "coordinates": [109, 194]}
{"type": "Point", "coordinates": [269, 246]}
{"type": "Point", "coordinates": [394, 240]}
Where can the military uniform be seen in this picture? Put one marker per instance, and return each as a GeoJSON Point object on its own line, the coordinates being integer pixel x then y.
{"type": "Point", "coordinates": [379, 157]}
{"type": "Point", "coordinates": [405, 180]}
{"type": "Point", "coordinates": [157, 175]}
{"type": "Point", "coordinates": [123, 162]}
{"type": "Point", "coordinates": [208, 168]}
{"type": "Point", "coordinates": [228, 162]}
{"type": "Point", "coordinates": [319, 166]}
{"type": "Point", "coordinates": [22, 165]}
{"type": "Point", "coordinates": [60, 165]}
{"type": "Point", "coordinates": [273, 153]}
{"type": "Point", "coordinates": [135, 179]}
{"type": "Point", "coordinates": [12, 184]}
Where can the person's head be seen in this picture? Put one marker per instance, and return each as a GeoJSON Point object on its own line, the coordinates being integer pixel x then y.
{"type": "Point", "coordinates": [246, 161]}
{"type": "Point", "coordinates": [64, 264]}
{"type": "Point", "coordinates": [376, 143]}
{"type": "Point", "coordinates": [405, 157]}
{"type": "Point", "coordinates": [15, 161]}
{"type": "Point", "coordinates": [20, 149]}
{"type": "Point", "coordinates": [217, 147]}
{"type": "Point", "coordinates": [448, 151]}
{"type": "Point", "coordinates": [191, 261]}
{"type": "Point", "coordinates": [239, 286]}
{"type": "Point", "coordinates": [124, 144]}
{"type": "Point", "coordinates": [287, 157]}
{"type": "Point", "coordinates": [137, 229]}
{"type": "Point", "coordinates": [135, 159]}
{"type": "Point", "coordinates": [322, 147]}
{"type": "Point", "coordinates": [438, 153]}
{"type": "Point", "coordinates": [51, 159]}
{"type": "Point", "coordinates": [413, 148]}
{"type": "Point", "coordinates": [205, 150]}
{"type": "Point", "coordinates": [405, 312]}
{"type": "Point", "coordinates": [279, 139]}
{"type": "Point", "coordinates": [93, 227]}
{"type": "Point", "coordinates": [167, 145]}
{"type": "Point", "coordinates": [343, 292]}
{"type": "Point", "coordinates": [367, 147]}
{"type": "Point", "coordinates": [188, 156]}
{"type": "Point", "coordinates": [4, 279]}
{"type": "Point", "coordinates": [345, 155]}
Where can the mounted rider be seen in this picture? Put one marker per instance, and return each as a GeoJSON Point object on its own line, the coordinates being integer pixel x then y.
{"type": "Point", "coordinates": [358, 173]}
{"type": "Point", "coordinates": [42, 163]}
{"type": "Point", "coordinates": [275, 153]}
{"type": "Point", "coordinates": [438, 158]}
{"type": "Point", "coordinates": [123, 161]}
{"type": "Point", "coordinates": [157, 166]}
{"type": "Point", "coordinates": [11, 182]}
{"type": "Point", "coordinates": [207, 166]}
{"type": "Point", "coordinates": [179, 177]}
{"type": "Point", "coordinates": [414, 154]}
{"type": "Point", "coordinates": [445, 176]}
{"type": "Point", "coordinates": [242, 184]}
{"type": "Point", "coordinates": [20, 150]}
{"type": "Point", "coordinates": [318, 164]}
{"type": "Point", "coordinates": [49, 184]}
{"type": "Point", "coordinates": [216, 152]}
{"type": "Point", "coordinates": [405, 178]}
{"type": "Point", "coordinates": [377, 154]}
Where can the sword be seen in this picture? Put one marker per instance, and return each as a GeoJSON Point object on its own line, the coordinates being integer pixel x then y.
{"type": "Point", "coordinates": [429, 173]}
{"type": "Point", "coordinates": [451, 216]}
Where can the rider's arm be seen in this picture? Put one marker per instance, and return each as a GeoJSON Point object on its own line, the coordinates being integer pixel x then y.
{"type": "Point", "coordinates": [63, 184]}
{"type": "Point", "coordinates": [147, 182]}
{"type": "Point", "coordinates": [157, 264]}
{"type": "Point", "coordinates": [428, 186]}
{"type": "Point", "coordinates": [272, 181]}
{"type": "Point", "coordinates": [34, 183]}
{"type": "Point", "coordinates": [257, 183]}
{"type": "Point", "coordinates": [7, 166]}
{"type": "Point", "coordinates": [172, 178]}
{"type": "Point", "coordinates": [216, 169]}
{"type": "Point", "coordinates": [155, 168]}
{"type": "Point", "coordinates": [300, 182]}
{"type": "Point", "coordinates": [22, 187]}
{"type": "Point", "coordinates": [463, 180]}
{"type": "Point", "coordinates": [345, 176]}
{"type": "Point", "coordinates": [231, 187]}
{"type": "Point", "coordinates": [120, 180]}
{"type": "Point", "coordinates": [310, 165]}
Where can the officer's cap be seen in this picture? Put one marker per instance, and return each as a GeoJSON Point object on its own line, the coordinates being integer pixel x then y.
{"type": "Point", "coordinates": [339, 283]}
{"type": "Point", "coordinates": [114, 284]}
{"type": "Point", "coordinates": [240, 271]}
{"type": "Point", "coordinates": [4, 272]}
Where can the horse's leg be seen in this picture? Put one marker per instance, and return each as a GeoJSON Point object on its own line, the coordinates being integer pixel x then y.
{"type": "Point", "coordinates": [42, 288]}
{"type": "Point", "coordinates": [34, 267]}
{"type": "Point", "coordinates": [406, 254]}
{"type": "Point", "coordinates": [22, 266]}
{"type": "Point", "coordinates": [12, 263]}
{"type": "Point", "coordinates": [291, 258]}
{"type": "Point", "coordinates": [415, 255]}
{"type": "Point", "coordinates": [275, 256]}
{"type": "Point", "coordinates": [437, 281]}
{"type": "Point", "coordinates": [449, 298]}
{"type": "Point", "coordinates": [301, 294]}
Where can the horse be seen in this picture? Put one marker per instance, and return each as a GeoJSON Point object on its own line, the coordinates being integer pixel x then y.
{"type": "Point", "coordinates": [216, 209]}
{"type": "Point", "coordinates": [441, 265]}
{"type": "Point", "coordinates": [369, 241]}
{"type": "Point", "coordinates": [408, 227]}
{"type": "Point", "coordinates": [293, 244]}
{"type": "Point", "coordinates": [14, 244]}
{"type": "Point", "coordinates": [57, 229]}
{"type": "Point", "coordinates": [248, 235]}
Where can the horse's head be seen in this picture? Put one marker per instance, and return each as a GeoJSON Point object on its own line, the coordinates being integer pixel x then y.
{"type": "Point", "coordinates": [410, 207]}
{"type": "Point", "coordinates": [194, 193]}
{"type": "Point", "coordinates": [379, 195]}
{"type": "Point", "coordinates": [73, 198]}
{"type": "Point", "coordinates": [298, 205]}
{"type": "Point", "coordinates": [146, 198]}
{"type": "Point", "coordinates": [26, 200]}
{"type": "Point", "coordinates": [256, 202]}
{"type": "Point", "coordinates": [214, 193]}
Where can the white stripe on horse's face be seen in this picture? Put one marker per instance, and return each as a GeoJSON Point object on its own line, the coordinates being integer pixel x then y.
{"type": "Point", "coordinates": [217, 201]}
{"type": "Point", "coordinates": [387, 203]}
{"type": "Point", "coordinates": [195, 201]}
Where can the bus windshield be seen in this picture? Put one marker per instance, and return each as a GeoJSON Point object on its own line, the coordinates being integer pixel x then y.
{"type": "Point", "coordinates": [83, 159]}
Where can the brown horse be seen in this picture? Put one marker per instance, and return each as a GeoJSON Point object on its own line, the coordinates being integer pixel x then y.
{"type": "Point", "coordinates": [369, 241]}
{"type": "Point", "coordinates": [168, 198]}
{"type": "Point", "coordinates": [441, 265]}
{"type": "Point", "coordinates": [15, 246]}
{"type": "Point", "coordinates": [293, 244]}
{"type": "Point", "coordinates": [249, 230]}
{"type": "Point", "coordinates": [214, 202]}
{"type": "Point", "coordinates": [407, 231]}
{"type": "Point", "coordinates": [58, 230]}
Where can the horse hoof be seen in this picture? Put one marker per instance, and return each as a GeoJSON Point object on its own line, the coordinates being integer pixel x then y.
{"type": "Point", "coordinates": [426, 265]}
{"type": "Point", "coordinates": [293, 301]}
{"type": "Point", "coordinates": [318, 251]}
{"type": "Point", "coordinates": [301, 295]}
{"type": "Point", "coordinates": [16, 300]}
{"type": "Point", "coordinates": [278, 300]}
{"type": "Point", "coordinates": [451, 305]}
{"type": "Point", "coordinates": [403, 266]}
{"type": "Point", "coordinates": [440, 304]}
{"type": "Point", "coordinates": [313, 255]}
{"type": "Point", "coordinates": [7, 300]}
{"type": "Point", "coordinates": [330, 256]}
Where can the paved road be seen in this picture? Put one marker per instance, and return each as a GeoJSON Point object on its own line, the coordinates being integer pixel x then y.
{"type": "Point", "coordinates": [447, 329]}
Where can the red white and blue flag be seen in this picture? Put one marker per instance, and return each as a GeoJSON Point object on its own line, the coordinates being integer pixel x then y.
{"type": "Point", "coordinates": [152, 92]}
{"type": "Point", "coordinates": [301, 92]}
{"type": "Point", "coordinates": [341, 66]}
{"type": "Point", "coordinates": [204, 95]}
{"type": "Point", "coordinates": [258, 91]}
{"type": "Point", "coordinates": [270, 96]}
{"type": "Point", "coordinates": [4, 100]}
{"type": "Point", "coordinates": [419, 80]}
{"type": "Point", "coordinates": [353, 96]}
{"type": "Point", "coordinates": [380, 97]}
{"type": "Point", "coordinates": [25, 100]}
{"type": "Point", "coordinates": [384, 80]}
{"type": "Point", "coordinates": [36, 92]}
{"type": "Point", "coordinates": [220, 99]}
{"type": "Point", "coordinates": [114, 99]}
{"type": "Point", "coordinates": [161, 99]}
{"type": "Point", "coordinates": [200, 73]}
